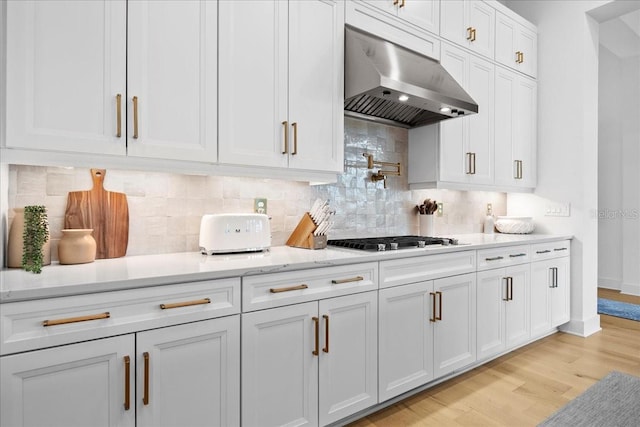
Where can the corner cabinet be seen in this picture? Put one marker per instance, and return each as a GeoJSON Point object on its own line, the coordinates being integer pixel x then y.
{"type": "Point", "coordinates": [82, 80]}
{"type": "Point", "coordinates": [281, 84]}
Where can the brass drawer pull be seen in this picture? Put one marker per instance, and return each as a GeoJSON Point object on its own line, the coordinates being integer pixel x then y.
{"type": "Point", "coordinates": [295, 138]}
{"type": "Point", "coordinates": [517, 255]}
{"type": "Point", "coordinates": [285, 126]}
{"type": "Point", "coordinates": [351, 279]}
{"type": "Point", "coordinates": [316, 325]}
{"type": "Point", "coordinates": [127, 389]}
{"type": "Point", "coordinates": [495, 258]}
{"type": "Point", "coordinates": [118, 115]}
{"type": "Point", "coordinates": [469, 33]}
{"type": "Point", "coordinates": [104, 315]}
{"type": "Point", "coordinates": [506, 289]}
{"type": "Point", "coordinates": [433, 307]}
{"type": "Point", "coordinates": [185, 304]}
{"type": "Point", "coordinates": [326, 333]}
{"type": "Point", "coordinates": [290, 288]}
{"type": "Point", "coordinates": [145, 397]}
{"type": "Point", "coordinates": [135, 117]}
{"type": "Point", "coordinates": [439, 316]}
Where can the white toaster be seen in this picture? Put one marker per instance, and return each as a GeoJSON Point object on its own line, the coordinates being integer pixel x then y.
{"type": "Point", "coordinates": [227, 233]}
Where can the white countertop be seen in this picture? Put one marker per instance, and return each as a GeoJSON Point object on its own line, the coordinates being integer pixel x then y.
{"type": "Point", "coordinates": [149, 270]}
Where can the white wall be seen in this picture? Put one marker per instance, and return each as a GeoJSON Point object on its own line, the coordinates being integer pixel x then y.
{"type": "Point", "coordinates": [567, 142]}
{"type": "Point", "coordinates": [610, 170]}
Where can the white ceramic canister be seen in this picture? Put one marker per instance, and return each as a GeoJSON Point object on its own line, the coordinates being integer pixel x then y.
{"type": "Point", "coordinates": [77, 246]}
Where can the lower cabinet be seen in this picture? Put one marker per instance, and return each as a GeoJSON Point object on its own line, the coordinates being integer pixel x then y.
{"type": "Point", "coordinates": [503, 309]}
{"type": "Point", "coordinates": [549, 294]}
{"type": "Point", "coordinates": [427, 330]}
{"type": "Point", "coordinates": [311, 363]}
{"type": "Point", "coordinates": [185, 375]}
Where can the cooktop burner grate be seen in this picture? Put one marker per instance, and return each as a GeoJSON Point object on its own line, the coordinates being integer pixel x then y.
{"type": "Point", "coordinates": [390, 243]}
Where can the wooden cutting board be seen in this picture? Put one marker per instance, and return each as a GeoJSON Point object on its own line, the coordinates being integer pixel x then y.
{"type": "Point", "coordinates": [106, 212]}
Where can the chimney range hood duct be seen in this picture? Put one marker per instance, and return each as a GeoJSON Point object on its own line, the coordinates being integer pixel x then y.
{"type": "Point", "coordinates": [392, 85]}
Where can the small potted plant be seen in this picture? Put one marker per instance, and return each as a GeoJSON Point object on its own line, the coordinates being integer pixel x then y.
{"type": "Point", "coordinates": [35, 235]}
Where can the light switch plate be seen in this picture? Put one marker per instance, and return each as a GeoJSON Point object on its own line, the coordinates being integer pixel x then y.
{"type": "Point", "coordinates": [557, 209]}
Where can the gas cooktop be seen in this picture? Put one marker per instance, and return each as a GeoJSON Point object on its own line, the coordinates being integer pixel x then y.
{"type": "Point", "coordinates": [391, 243]}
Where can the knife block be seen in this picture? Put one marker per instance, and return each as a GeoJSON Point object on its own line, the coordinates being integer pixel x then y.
{"type": "Point", "coordinates": [302, 236]}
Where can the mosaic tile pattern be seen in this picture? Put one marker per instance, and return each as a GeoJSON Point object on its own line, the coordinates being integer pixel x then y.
{"type": "Point", "coordinates": [165, 209]}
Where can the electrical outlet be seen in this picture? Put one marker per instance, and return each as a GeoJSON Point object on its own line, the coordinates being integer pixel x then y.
{"type": "Point", "coordinates": [260, 205]}
{"type": "Point", "coordinates": [489, 209]}
{"type": "Point", "coordinates": [440, 210]}
{"type": "Point", "coordinates": [557, 209]}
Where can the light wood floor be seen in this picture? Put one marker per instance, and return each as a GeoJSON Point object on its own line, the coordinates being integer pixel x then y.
{"type": "Point", "coordinates": [524, 387]}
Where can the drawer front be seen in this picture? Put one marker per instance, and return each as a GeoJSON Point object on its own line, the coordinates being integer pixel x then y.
{"type": "Point", "coordinates": [84, 317]}
{"type": "Point", "coordinates": [540, 251]}
{"type": "Point", "coordinates": [503, 257]}
{"type": "Point", "coordinates": [410, 270]}
{"type": "Point", "coordinates": [292, 287]}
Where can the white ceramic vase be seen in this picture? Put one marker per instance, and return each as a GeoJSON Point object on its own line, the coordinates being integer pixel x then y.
{"type": "Point", "coordinates": [15, 243]}
{"type": "Point", "coordinates": [426, 225]}
{"type": "Point", "coordinates": [77, 246]}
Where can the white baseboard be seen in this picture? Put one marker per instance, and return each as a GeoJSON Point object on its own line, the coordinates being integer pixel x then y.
{"type": "Point", "coordinates": [582, 328]}
{"type": "Point", "coordinates": [630, 289]}
{"type": "Point", "coordinates": [609, 283]}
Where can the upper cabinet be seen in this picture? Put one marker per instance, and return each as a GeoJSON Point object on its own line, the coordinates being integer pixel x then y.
{"type": "Point", "coordinates": [66, 76]}
{"type": "Point", "coordinates": [424, 14]}
{"type": "Point", "coordinates": [78, 82]}
{"type": "Point", "coordinates": [516, 45]}
{"type": "Point", "coordinates": [470, 24]}
{"type": "Point", "coordinates": [281, 88]}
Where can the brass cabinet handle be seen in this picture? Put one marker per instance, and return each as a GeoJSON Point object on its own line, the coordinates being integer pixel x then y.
{"type": "Point", "coordinates": [495, 258]}
{"type": "Point", "coordinates": [469, 33]}
{"type": "Point", "coordinates": [145, 396]}
{"type": "Point", "coordinates": [433, 307]}
{"type": "Point", "coordinates": [185, 304]}
{"type": "Point", "coordinates": [516, 255]}
{"type": "Point", "coordinates": [521, 57]}
{"type": "Point", "coordinates": [295, 138]}
{"type": "Point", "coordinates": [469, 164]}
{"type": "Point", "coordinates": [546, 251]}
{"type": "Point", "coordinates": [118, 115]}
{"type": "Point", "coordinates": [135, 117]}
{"type": "Point", "coordinates": [560, 249]}
{"type": "Point", "coordinates": [474, 35]}
{"type": "Point", "coordinates": [290, 288]}
{"type": "Point", "coordinates": [316, 323]}
{"type": "Point", "coordinates": [127, 377]}
{"type": "Point", "coordinates": [402, 3]}
{"type": "Point", "coordinates": [439, 316]}
{"type": "Point", "coordinates": [555, 277]}
{"type": "Point", "coordinates": [506, 288]}
{"type": "Point", "coordinates": [473, 156]}
{"type": "Point", "coordinates": [510, 288]}
{"type": "Point", "coordinates": [285, 125]}
{"type": "Point", "coordinates": [518, 165]}
{"type": "Point", "coordinates": [350, 279]}
{"type": "Point", "coordinates": [104, 315]}
{"type": "Point", "coordinates": [395, 2]}
{"type": "Point", "coordinates": [326, 333]}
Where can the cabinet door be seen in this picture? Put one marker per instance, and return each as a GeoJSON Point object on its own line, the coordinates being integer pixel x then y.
{"type": "Point", "coordinates": [506, 168]}
{"type": "Point", "coordinates": [527, 43]}
{"type": "Point", "coordinates": [453, 21]}
{"type": "Point", "coordinates": [316, 88]}
{"type": "Point", "coordinates": [560, 308]}
{"type": "Point", "coordinates": [172, 70]}
{"type": "Point", "coordinates": [517, 308]}
{"type": "Point", "coordinates": [253, 79]}
{"type": "Point", "coordinates": [65, 67]}
{"type": "Point", "coordinates": [492, 292]}
{"type": "Point", "coordinates": [525, 131]}
{"type": "Point", "coordinates": [193, 374]}
{"type": "Point", "coordinates": [348, 357]}
{"type": "Point", "coordinates": [73, 385]}
{"type": "Point", "coordinates": [506, 30]}
{"type": "Point", "coordinates": [541, 281]}
{"type": "Point", "coordinates": [279, 370]}
{"type": "Point", "coordinates": [406, 338]}
{"type": "Point", "coordinates": [454, 341]}
{"type": "Point", "coordinates": [482, 19]}
{"type": "Point", "coordinates": [424, 14]}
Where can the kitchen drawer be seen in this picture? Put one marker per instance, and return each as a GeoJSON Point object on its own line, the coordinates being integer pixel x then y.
{"type": "Point", "coordinates": [83, 317]}
{"type": "Point", "coordinates": [293, 287]}
{"type": "Point", "coordinates": [411, 270]}
{"type": "Point", "coordinates": [540, 251]}
{"type": "Point", "coordinates": [503, 257]}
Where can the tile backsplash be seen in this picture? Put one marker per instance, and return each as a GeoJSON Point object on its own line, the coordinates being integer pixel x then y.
{"type": "Point", "coordinates": [165, 209]}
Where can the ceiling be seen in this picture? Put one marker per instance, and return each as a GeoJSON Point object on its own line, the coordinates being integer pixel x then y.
{"type": "Point", "coordinates": [622, 35]}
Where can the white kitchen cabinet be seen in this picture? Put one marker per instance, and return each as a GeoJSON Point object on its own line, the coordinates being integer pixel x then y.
{"type": "Point", "coordinates": [515, 129]}
{"type": "Point", "coordinates": [550, 286]}
{"type": "Point", "coordinates": [74, 385]}
{"type": "Point", "coordinates": [470, 24]}
{"type": "Point", "coordinates": [80, 80]}
{"type": "Point", "coordinates": [516, 45]}
{"type": "Point", "coordinates": [423, 14]}
{"type": "Point", "coordinates": [406, 338]}
{"type": "Point", "coordinates": [466, 143]}
{"type": "Point", "coordinates": [189, 374]}
{"type": "Point", "coordinates": [172, 75]}
{"type": "Point", "coordinates": [66, 64]}
{"type": "Point", "coordinates": [502, 309]}
{"type": "Point", "coordinates": [454, 333]}
{"type": "Point", "coordinates": [311, 363]}
{"type": "Point", "coordinates": [281, 84]}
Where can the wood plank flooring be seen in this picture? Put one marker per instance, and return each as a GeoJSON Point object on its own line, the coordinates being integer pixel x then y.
{"type": "Point", "coordinates": [523, 387]}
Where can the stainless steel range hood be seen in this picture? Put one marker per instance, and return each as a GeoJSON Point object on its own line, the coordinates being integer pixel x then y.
{"type": "Point", "coordinates": [389, 84]}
